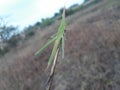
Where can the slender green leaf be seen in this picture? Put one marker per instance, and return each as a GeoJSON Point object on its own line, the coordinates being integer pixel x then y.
{"type": "Point", "coordinates": [57, 42]}
{"type": "Point", "coordinates": [45, 46]}
{"type": "Point", "coordinates": [54, 35]}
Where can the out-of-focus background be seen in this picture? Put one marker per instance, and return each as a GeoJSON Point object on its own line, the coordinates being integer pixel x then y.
{"type": "Point", "coordinates": [92, 44]}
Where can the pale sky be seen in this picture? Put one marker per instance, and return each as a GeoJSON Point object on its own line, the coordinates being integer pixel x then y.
{"type": "Point", "coordinates": [27, 12]}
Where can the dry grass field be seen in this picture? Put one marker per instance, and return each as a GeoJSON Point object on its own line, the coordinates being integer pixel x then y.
{"type": "Point", "coordinates": [92, 54]}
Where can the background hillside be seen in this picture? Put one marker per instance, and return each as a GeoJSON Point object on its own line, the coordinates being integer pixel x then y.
{"type": "Point", "coordinates": [92, 52]}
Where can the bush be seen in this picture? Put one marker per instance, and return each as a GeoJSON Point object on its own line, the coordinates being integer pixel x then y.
{"type": "Point", "coordinates": [46, 22]}
{"type": "Point", "coordinates": [4, 50]}
{"type": "Point", "coordinates": [37, 24]}
{"type": "Point", "coordinates": [6, 32]}
{"type": "Point", "coordinates": [13, 41]}
{"type": "Point", "coordinates": [30, 33]}
{"type": "Point", "coordinates": [70, 12]}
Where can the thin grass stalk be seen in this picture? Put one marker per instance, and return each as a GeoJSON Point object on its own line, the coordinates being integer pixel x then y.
{"type": "Point", "coordinates": [50, 79]}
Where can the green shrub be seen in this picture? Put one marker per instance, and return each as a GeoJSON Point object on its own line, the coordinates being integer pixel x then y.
{"type": "Point", "coordinates": [13, 41]}
{"type": "Point", "coordinates": [4, 50]}
{"type": "Point", "coordinates": [30, 33]}
{"type": "Point", "coordinates": [46, 22]}
{"type": "Point", "coordinates": [92, 3]}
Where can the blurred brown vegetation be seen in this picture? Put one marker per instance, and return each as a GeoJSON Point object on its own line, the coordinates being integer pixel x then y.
{"type": "Point", "coordinates": [92, 53]}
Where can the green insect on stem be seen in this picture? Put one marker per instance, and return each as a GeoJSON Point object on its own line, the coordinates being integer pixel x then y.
{"type": "Point", "coordinates": [59, 39]}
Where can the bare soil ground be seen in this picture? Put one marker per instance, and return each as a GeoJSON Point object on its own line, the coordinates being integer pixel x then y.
{"type": "Point", "coordinates": [92, 55]}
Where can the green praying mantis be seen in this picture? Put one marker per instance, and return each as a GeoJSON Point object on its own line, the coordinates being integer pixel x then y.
{"type": "Point", "coordinates": [58, 40]}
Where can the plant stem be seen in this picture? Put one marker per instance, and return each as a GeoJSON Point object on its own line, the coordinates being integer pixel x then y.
{"type": "Point", "coordinates": [49, 81]}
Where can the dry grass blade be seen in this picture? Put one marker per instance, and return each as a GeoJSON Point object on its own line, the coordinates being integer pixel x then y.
{"type": "Point", "coordinates": [50, 78]}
